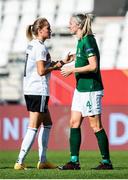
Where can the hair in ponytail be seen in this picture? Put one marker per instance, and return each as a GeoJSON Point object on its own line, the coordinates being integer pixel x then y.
{"type": "Point", "coordinates": [29, 34]}
{"type": "Point", "coordinates": [32, 30]}
{"type": "Point", "coordinates": [84, 21]}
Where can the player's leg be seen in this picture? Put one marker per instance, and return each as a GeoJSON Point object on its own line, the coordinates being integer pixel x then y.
{"type": "Point", "coordinates": [94, 116]}
{"type": "Point", "coordinates": [43, 138]}
{"type": "Point", "coordinates": [75, 132]}
{"type": "Point", "coordinates": [75, 135]}
{"type": "Point", "coordinates": [43, 135]}
{"type": "Point", "coordinates": [96, 125]}
{"type": "Point", "coordinates": [28, 140]}
{"type": "Point", "coordinates": [75, 141]}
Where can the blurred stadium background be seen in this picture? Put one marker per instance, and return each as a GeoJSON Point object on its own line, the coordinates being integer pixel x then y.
{"type": "Point", "coordinates": [110, 25]}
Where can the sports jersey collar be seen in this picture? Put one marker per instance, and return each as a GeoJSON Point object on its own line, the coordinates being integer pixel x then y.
{"type": "Point", "coordinates": [40, 41]}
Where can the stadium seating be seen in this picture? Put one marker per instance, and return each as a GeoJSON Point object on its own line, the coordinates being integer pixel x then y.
{"type": "Point", "coordinates": [0, 12]}
{"type": "Point", "coordinates": [48, 9]}
{"type": "Point", "coordinates": [122, 62]}
{"type": "Point", "coordinates": [110, 43]}
{"type": "Point", "coordinates": [84, 6]}
{"type": "Point", "coordinates": [20, 40]}
{"type": "Point", "coordinates": [11, 7]}
{"type": "Point", "coordinates": [64, 12]}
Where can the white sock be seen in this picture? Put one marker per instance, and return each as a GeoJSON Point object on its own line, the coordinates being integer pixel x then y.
{"type": "Point", "coordinates": [26, 144]}
{"type": "Point", "coordinates": [43, 138]}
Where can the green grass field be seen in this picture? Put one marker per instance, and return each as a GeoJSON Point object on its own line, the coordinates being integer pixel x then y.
{"type": "Point", "coordinates": [88, 159]}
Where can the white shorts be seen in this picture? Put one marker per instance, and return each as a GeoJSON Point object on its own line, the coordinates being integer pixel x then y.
{"type": "Point", "coordinates": [88, 103]}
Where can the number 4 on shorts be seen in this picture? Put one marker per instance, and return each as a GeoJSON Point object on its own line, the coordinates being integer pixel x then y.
{"type": "Point", "coordinates": [89, 104]}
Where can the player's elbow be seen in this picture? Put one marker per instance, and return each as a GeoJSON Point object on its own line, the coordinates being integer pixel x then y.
{"type": "Point", "coordinates": [41, 72]}
{"type": "Point", "coordinates": [93, 64]}
{"type": "Point", "coordinates": [94, 68]}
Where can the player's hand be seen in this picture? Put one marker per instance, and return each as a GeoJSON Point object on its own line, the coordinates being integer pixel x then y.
{"type": "Point", "coordinates": [68, 58]}
{"type": "Point", "coordinates": [57, 66]}
{"type": "Point", "coordinates": [66, 71]}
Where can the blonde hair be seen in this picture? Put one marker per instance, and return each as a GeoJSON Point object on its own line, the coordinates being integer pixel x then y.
{"type": "Point", "coordinates": [84, 21]}
{"type": "Point", "coordinates": [32, 30]}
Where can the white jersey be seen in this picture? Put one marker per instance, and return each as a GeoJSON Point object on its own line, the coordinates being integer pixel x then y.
{"type": "Point", "coordinates": [34, 84]}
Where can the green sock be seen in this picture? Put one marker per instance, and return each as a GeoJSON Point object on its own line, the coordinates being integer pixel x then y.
{"type": "Point", "coordinates": [103, 144]}
{"type": "Point", "coordinates": [75, 141]}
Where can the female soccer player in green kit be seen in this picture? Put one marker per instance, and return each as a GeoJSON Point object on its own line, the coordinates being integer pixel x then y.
{"type": "Point", "coordinates": [88, 93]}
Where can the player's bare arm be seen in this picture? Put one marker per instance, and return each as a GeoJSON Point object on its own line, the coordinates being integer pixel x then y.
{"type": "Point", "coordinates": [42, 70]}
{"type": "Point", "coordinates": [91, 67]}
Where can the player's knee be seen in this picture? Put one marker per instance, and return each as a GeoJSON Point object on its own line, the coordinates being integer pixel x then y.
{"type": "Point", "coordinates": [47, 122]}
{"type": "Point", "coordinates": [95, 127]}
{"type": "Point", "coordinates": [74, 123]}
{"type": "Point", "coordinates": [48, 125]}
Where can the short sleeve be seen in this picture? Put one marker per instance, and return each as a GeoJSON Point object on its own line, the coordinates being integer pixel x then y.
{"type": "Point", "coordinates": [40, 53]}
{"type": "Point", "coordinates": [89, 47]}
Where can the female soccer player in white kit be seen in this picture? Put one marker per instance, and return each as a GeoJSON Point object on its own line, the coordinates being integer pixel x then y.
{"type": "Point", "coordinates": [36, 91]}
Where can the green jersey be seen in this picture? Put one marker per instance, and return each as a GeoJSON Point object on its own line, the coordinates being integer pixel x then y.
{"type": "Point", "coordinates": [91, 81]}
